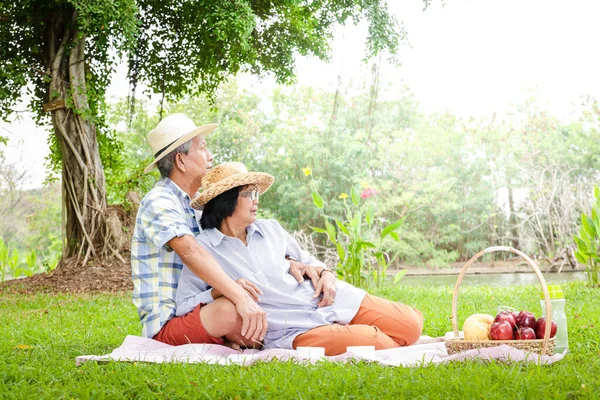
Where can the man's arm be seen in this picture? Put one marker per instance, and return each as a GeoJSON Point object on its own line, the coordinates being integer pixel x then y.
{"type": "Point", "coordinates": [201, 263]}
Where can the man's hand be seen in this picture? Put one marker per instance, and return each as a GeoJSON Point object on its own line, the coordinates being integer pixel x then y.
{"type": "Point", "coordinates": [200, 262]}
{"type": "Point", "coordinates": [250, 287]}
{"type": "Point", "coordinates": [254, 325]}
{"type": "Point", "coordinates": [299, 271]}
{"type": "Point", "coordinates": [326, 285]}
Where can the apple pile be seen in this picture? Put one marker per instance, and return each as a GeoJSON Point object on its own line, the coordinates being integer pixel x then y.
{"type": "Point", "coordinates": [519, 326]}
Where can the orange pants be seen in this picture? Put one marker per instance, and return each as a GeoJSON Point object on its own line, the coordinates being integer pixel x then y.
{"type": "Point", "coordinates": [378, 322]}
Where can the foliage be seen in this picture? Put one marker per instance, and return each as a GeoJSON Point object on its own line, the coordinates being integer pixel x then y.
{"type": "Point", "coordinates": [176, 57]}
{"type": "Point", "coordinates": [39, 330]}
{"type": "Point", "coordinates": [588, 241]}
{"type": "Point", "coordinates": [13, 266]}
{"type": "Point", "coordinates": [450, 177]}
{"type": "Point", "coordinates": [31, 260]}
{"type": "Point", "coordinates": [65, 51]}
{"type": "Point", "coordinates": [358, 237]}
{"type": "Point", "coordinates": [126, 174]}
{"type": "Point", "coordinates": [167, 49]}
{"type": "Point", "coordinates": [34, 27]}
{"type": "Point", "coordinates": [4, 259]}
{"type": "Point", "coordinates": [30, 221]}
{"type": "Point", "coordinates": [33, 228]}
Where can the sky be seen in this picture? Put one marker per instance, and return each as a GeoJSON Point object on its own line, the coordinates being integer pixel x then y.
{"type": "Point", "coordinates": [471, 58]}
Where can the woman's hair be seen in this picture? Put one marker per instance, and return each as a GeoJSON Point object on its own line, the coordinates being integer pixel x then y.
{"type": "Point", "coordinates": [219, 208]}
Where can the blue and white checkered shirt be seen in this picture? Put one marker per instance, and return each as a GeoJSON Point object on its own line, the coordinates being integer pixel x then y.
{"type": "Point", "coordinates": [164, 213]}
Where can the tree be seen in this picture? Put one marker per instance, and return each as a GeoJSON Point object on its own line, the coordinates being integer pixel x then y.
{"type": "Point", "coordinates": [62, 53]}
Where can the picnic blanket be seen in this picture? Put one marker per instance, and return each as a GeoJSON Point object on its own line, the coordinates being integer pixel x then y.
{"type": "Point", "coordinates": [426, 351]}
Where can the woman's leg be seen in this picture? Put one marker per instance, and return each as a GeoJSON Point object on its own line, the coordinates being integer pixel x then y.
{"type": "Point", "coordinates": [378, 322]}
{"type": "Point", "coordinates": [335, 338]}
{"type": "Point", "coordinates": [402, 323]}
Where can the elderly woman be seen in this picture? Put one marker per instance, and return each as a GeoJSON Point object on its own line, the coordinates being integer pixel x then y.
{"type": "Point", "coordinates": [333, 315]}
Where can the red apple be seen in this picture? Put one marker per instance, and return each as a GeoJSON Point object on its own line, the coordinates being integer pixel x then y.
{"type": "Point", "coordinates": [525, 319]}
{"type": "Point", "coordinates": [508, 317]}
{"type": "Point", "coordinates": [501, 331]}
{"type": "Point", "coordinates": [525, 334]}
{"type": "Point", "coordinates": [515, 315]}
{"type": "Point", "coordinates": [540, 328]}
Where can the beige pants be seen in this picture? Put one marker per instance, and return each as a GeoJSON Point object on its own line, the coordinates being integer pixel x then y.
{"type": "Point", "coordinates": [378, 322]}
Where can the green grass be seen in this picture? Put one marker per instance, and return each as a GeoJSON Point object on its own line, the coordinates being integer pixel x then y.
{"type": "Point", "coordinates": [42, 334]}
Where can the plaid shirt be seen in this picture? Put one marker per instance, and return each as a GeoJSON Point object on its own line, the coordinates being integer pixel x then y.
{"type": "Point", "coordinates": [164, 213]}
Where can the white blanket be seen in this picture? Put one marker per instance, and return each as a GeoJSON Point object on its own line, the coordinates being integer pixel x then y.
{"type": "Point", "coordinates": [429, 351]}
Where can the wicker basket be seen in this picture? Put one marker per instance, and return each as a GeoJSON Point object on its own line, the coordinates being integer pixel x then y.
{"type": "Point", "coordinates": [541, 346]}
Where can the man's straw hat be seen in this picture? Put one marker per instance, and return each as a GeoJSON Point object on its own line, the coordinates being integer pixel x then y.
{"type": "Point", "coordinates": [172, 132]}
{"type": "Point", "coordinates": [227, 176]}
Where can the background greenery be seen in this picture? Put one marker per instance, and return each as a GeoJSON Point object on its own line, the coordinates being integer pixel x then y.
{"type": "Point", "coordinates": [463, 184]}
{"type": "Point", "coordinates": [42, 334]}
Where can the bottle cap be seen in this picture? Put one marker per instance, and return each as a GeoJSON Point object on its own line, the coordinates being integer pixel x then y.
{"type": "Point", "coordinates": [555, 292]}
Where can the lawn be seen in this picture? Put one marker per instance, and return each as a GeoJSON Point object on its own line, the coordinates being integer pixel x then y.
{"type": "Point", "coordinates": [42, 334]}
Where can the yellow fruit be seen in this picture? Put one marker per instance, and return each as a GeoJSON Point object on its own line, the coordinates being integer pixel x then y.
{"type": "Point", "coordinates": [477, 327]}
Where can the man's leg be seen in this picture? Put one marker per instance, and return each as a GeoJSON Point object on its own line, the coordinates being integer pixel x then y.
{"type": "Point", "coordinates": [335, 338]}
{"type": "Point", "coordinates": [221, 319]}
{"type": "Point", "coordinates": [402, 323]}
{"type": "Point", "coordinates": [207, 323]}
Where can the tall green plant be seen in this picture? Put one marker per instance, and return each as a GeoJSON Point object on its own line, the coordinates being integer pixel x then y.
{"type": "Point", "coordinates": [358, 237]}
{"type": "Point", "coordinates": [31, 260]}
{"type": "Point", "coordinates": [9, 261]}
{"type": "Point", "coordinates": [3, 259]}
{"type": "Point", "coordinates": [588, 242]}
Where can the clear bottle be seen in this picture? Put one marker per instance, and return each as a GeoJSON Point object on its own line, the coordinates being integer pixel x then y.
{"type": "Point", "coordinates": [557, 301]}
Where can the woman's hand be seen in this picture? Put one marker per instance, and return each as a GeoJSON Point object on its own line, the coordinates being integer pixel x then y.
{"type": "Point", "coordinates": [250, 287]}
{"type": "Point", "coordinates": [326, 285]}
{"type": "Point", "coordinates": [299, 270]}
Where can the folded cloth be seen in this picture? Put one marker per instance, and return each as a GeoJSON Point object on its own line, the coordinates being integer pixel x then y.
{"type": "Point", "coordinates": [426, 351]}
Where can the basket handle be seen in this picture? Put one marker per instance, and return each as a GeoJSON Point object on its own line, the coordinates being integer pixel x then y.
{"type": "Point", "coordinates": [531, 263]}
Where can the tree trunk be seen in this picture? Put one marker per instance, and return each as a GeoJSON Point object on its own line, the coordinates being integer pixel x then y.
{"type": "Point", "coordinates": [83, 184]}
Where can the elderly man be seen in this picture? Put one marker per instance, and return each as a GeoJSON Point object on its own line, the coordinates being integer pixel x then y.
{"type": "Point", "coordinates": [163, 241]}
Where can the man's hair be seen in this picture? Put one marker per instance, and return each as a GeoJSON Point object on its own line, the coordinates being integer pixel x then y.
{"type": "Point", "coordinates": [219, 208]}
{"type": "Point", "coordinates": [165, 165]}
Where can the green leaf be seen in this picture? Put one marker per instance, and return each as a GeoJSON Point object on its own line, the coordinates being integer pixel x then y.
{"type": "Point", "coordinates": [596, 219]}
{"type": "Point", "coordinates": [355, 197]}
{"type": "Point", "coordinates": [380, 256]}
{"type": "Point", "coordinates": [597, 192]}
{"type": "Point", "coordinates": [588, 225]}
{"type": "Point", "coordinates": [395, 236]}
{"type": "Point", "coordinates": [319, 230]}
{"type": "Point", "coordinates": [365, 244]}
{"type": "Point", "coordinates": [318, 200]}
{"type": "Point", "coordinates": [583, 235]}
{"type": "Point", "coordinates": [398, 277]}
{"type": "Point", "coordinates": [392, 227]}
{"type": "Point", "coordinates": [582, 258]}
{"type": "Point", "coordinates": [341, 252]}
{"type": "Point", "coordinates": [331, 231]}
{"type": "Point", "coordinates": [356, 222]}
{"type": "Point", "coordinates": [581, 245]}
{"type": "Point", "coordinates": [342, 227]}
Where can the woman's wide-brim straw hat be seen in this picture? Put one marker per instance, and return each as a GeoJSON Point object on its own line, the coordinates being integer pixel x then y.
{"type": "Point", "coordinates": [171, 133]}
{"type": "Point", "coordinates": [227, 176]}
